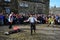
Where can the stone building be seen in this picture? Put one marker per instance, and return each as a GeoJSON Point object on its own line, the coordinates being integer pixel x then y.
{"type": "Point", "coordinates": [33, 6]}
{"type": "Point", "coordinates": [55, 10]}
{"type": "Point", "coordinates": [25, 6]}
{"type": "Point", "coordinates": [8, 5]}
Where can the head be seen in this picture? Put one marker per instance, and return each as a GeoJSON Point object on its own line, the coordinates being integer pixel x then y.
{"type": "Point", "coordinates": [52, 16]}
{"type": "Point", "coordinates": [31, 15]}
{"type": "Point", "coordinates": [12, 13]}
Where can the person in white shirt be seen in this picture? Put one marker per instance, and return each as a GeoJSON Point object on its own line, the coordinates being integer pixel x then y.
{"type": "Point", "coordinates": [32, 21]}
{"type": "Point", "coordinates": [10, 19]}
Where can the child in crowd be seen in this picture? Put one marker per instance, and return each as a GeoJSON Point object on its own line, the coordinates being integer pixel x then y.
{"type": "Point", "coordinates": [51, 21]}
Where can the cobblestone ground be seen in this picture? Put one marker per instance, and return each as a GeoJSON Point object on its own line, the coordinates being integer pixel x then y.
{"type": "Point", "coordinates": [42, 33]}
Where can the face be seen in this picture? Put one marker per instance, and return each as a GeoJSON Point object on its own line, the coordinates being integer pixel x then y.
{"type": "Point", "coordinates": [30, 15]}
{"type": "Point", "coordinates": [52, 17]}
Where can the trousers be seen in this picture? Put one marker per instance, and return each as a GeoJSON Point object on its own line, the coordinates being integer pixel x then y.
{"type": "Point", "coordinates": [33, 27]}
{"type": "Point", "coordinates": [10, 25]}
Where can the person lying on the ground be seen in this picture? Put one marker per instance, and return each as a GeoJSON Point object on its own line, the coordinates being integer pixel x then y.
{"type": "Point", "coordinates": [15, 29]}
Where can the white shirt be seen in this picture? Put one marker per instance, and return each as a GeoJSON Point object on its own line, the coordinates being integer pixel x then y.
{"type": "Point", "coordinates": [32, 19]}
{"type": "Point", "coordinates": [10, 19]}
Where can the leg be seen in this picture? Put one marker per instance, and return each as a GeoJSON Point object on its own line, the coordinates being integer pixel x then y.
{"type": "Point", "coordinates": [10, 25]}
{"type": "Point", "coordinates": [31, 28]}
{"type": "Point", "coordinates": [49, 24]}
{"type": "Point", "coordinates": [12, 31]}
{"type": "Point", "coordinates": [34, 28]}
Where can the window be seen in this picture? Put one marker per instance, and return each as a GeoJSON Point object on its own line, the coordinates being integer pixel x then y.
{"type": "Point", "coordinates": [7, 10]}
{"type": "Point", "coordinates": [22, 4]}
{"type": "Point", "coordinates": [7, 0]}
{"type": "Point", "coordinates": [0, 0]}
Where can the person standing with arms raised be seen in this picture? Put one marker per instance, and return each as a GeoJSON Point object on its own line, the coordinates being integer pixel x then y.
{"type": "Point", "coordinates": [32, 21]}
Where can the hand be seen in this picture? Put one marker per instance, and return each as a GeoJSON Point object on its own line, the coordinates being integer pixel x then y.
{"type": "Point", "coordinates": [38, 21]}
{"type": "Point", "coordinates": [25, 21]}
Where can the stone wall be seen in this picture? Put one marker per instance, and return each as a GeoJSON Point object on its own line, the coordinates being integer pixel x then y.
{"type": "Point", "coordinates": [12, 5]}
{"type": "Point", "coordinates": [34, 7]}
{"type": "Point", "coordinates": [28, 6]}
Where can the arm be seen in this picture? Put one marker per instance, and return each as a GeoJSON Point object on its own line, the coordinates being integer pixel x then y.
{"type": "Point", "coordinates": [27, 20]}
{"type": "Point", "coordinates": [37, 20]}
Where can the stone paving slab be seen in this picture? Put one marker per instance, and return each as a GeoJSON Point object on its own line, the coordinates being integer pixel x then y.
{"type": "Point", "coordinates": [42, 33]}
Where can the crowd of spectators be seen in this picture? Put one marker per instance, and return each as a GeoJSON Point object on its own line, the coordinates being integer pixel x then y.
{"type": "Point", "coordinates": [19, 18]}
